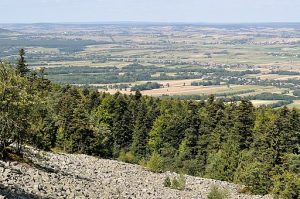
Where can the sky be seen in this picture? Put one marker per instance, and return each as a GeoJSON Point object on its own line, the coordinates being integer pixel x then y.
{"type": "Point", "coordinates": [190, 11]}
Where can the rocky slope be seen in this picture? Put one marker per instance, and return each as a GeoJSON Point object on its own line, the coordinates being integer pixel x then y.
{"type": "Point", "coordinates": [80, 176]}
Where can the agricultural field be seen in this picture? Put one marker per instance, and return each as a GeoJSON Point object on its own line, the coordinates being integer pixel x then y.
{"type": "Point", "coordinates": [295, 104]}
{"type": "Point", "coordinates": [236, 60]}
{"type": "Point", "coordinates": [263, 102]}
{"type": "Point", "coordinates": [261, 45]}
{"type": "Point", "coordinates": [177, 88]}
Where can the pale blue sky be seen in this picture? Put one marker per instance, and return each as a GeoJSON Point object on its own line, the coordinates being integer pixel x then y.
{"type": "Point", "coordinates": [219, 11]}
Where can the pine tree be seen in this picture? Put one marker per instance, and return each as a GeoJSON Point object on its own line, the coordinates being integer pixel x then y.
{"type": "Point", "coordinates": [22, 67]}
{"type": "Point", "coordinates": [64, 109]}
{"type": "Point", "coordinates": [281, 134]}
{"type": "Point", "coordinates": [209, 116]}
{"type": "Point", "coordinates": [189, 143]}
{"type": "Point", "coordinates": [294, 143]}
{"type": "Point", "coordinates": [81, 134]}
{"type": "Point", "coordinates": [121, 124]}
{"type": "Point", "coordinates": [244, 123]}
{"type": "Point", "coordinates": [15, 108]}
{"type": "Point", "coordinates": [223, 163]}
{"type": "Point", "coordinates": [140, 132]}
{"type": "Point", "coordinates": [262, 132]}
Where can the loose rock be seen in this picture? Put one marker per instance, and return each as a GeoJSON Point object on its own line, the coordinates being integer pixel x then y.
{"type": "Point", "coordinates": [81, 176]}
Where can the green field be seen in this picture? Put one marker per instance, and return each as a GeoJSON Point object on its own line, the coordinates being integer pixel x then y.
{"type": "Point", "coordinates": [296, 104]}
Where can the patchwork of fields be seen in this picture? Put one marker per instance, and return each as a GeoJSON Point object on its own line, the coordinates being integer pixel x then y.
{"type": "Point", "coordinates": [229, 60]}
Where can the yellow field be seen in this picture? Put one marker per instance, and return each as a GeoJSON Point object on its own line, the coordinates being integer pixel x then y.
{"type": "Point", "coordinates": [177, 88]}
{"type": "Point", "coordinates": [263, 102]}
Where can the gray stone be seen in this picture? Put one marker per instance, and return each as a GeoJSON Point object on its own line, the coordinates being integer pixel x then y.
{"type": "Point", "coordinates": [82, 176]}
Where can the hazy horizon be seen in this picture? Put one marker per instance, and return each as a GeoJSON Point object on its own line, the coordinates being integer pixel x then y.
{"type": "Point", "coordinates": [150, 11]}
{"type": "Point", "coordinates": [147, 22]}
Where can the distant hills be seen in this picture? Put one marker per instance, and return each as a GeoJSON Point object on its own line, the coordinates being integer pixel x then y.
{"type": "Point", "coordinates": [4, 31]}
{"type": "Point", "coordinates": [21, 26]}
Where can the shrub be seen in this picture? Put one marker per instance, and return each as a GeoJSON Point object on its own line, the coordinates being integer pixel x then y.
{"type": "Point", "coordinates": [292, 162]}
{"type": "Point", "coordinates": [176, 183]}
{"type": "Point", "coordinates": [191, 167]}
{"type": "Point", "coordinates": [181, 182]}
{"type": "Point", "coordinates": [167, 182]}
{"type": "Point", "coordinates": [155, 163]}
{"type": "Point", "coordinates": [255, 175]}
{"type": "Point", "coordinates": [217, 193]}
{"type": "Point", "coordinates": [286, 185]}
{"type": "Point", "coordinates": [143, 162]}
{"type": "Point", "coordinates": [126, 157]}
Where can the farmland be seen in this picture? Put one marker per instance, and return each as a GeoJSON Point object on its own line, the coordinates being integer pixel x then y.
{"type": "Point", "coordinates": [296, 104]}
{"type": "Point", "coordinates": [177, 88]}
{"type": "Point", "coordinates": [226, 60]}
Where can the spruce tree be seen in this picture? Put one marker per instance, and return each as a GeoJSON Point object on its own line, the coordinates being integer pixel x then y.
{"type": "Point", "coordinates": [22, 67]}
{"type": "Point", "coordinates": [121, 124]}
{"type": "Point", "coordinates": [282, 134]}
{"type": "Point", "coordinates": [295, 133]}
{"type": "Point", "coordinates": [244, 123]}
{"type": "Point", "coordinates": [140, 133]}
{"type": "Point", "coordinates": [189, 143]}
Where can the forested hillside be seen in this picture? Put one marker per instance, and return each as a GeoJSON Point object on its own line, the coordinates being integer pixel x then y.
{"type": "Point", "coordinates": [235, 142]}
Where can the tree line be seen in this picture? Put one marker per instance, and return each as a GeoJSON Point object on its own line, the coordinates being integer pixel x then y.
{"type": "Point", "coordinates": [146, 86]}
{"type": "Point", "coordinates": [235, 142]}
{"type": "Point", "coordinates": [134, 72]}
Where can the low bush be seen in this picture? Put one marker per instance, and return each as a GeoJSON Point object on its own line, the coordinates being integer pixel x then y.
{"type": "Point", "coordinates": [126, 157]}
{"type": "Point", "coordinates": [178, 183]}
{"type": "Point", "coordinates": [155, 163]}
{"type": "Point", "coordinates": [217, 193]}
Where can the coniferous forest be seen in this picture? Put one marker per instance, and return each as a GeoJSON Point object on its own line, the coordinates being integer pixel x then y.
{"type": "Point", "coordinates": [232, 141]}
